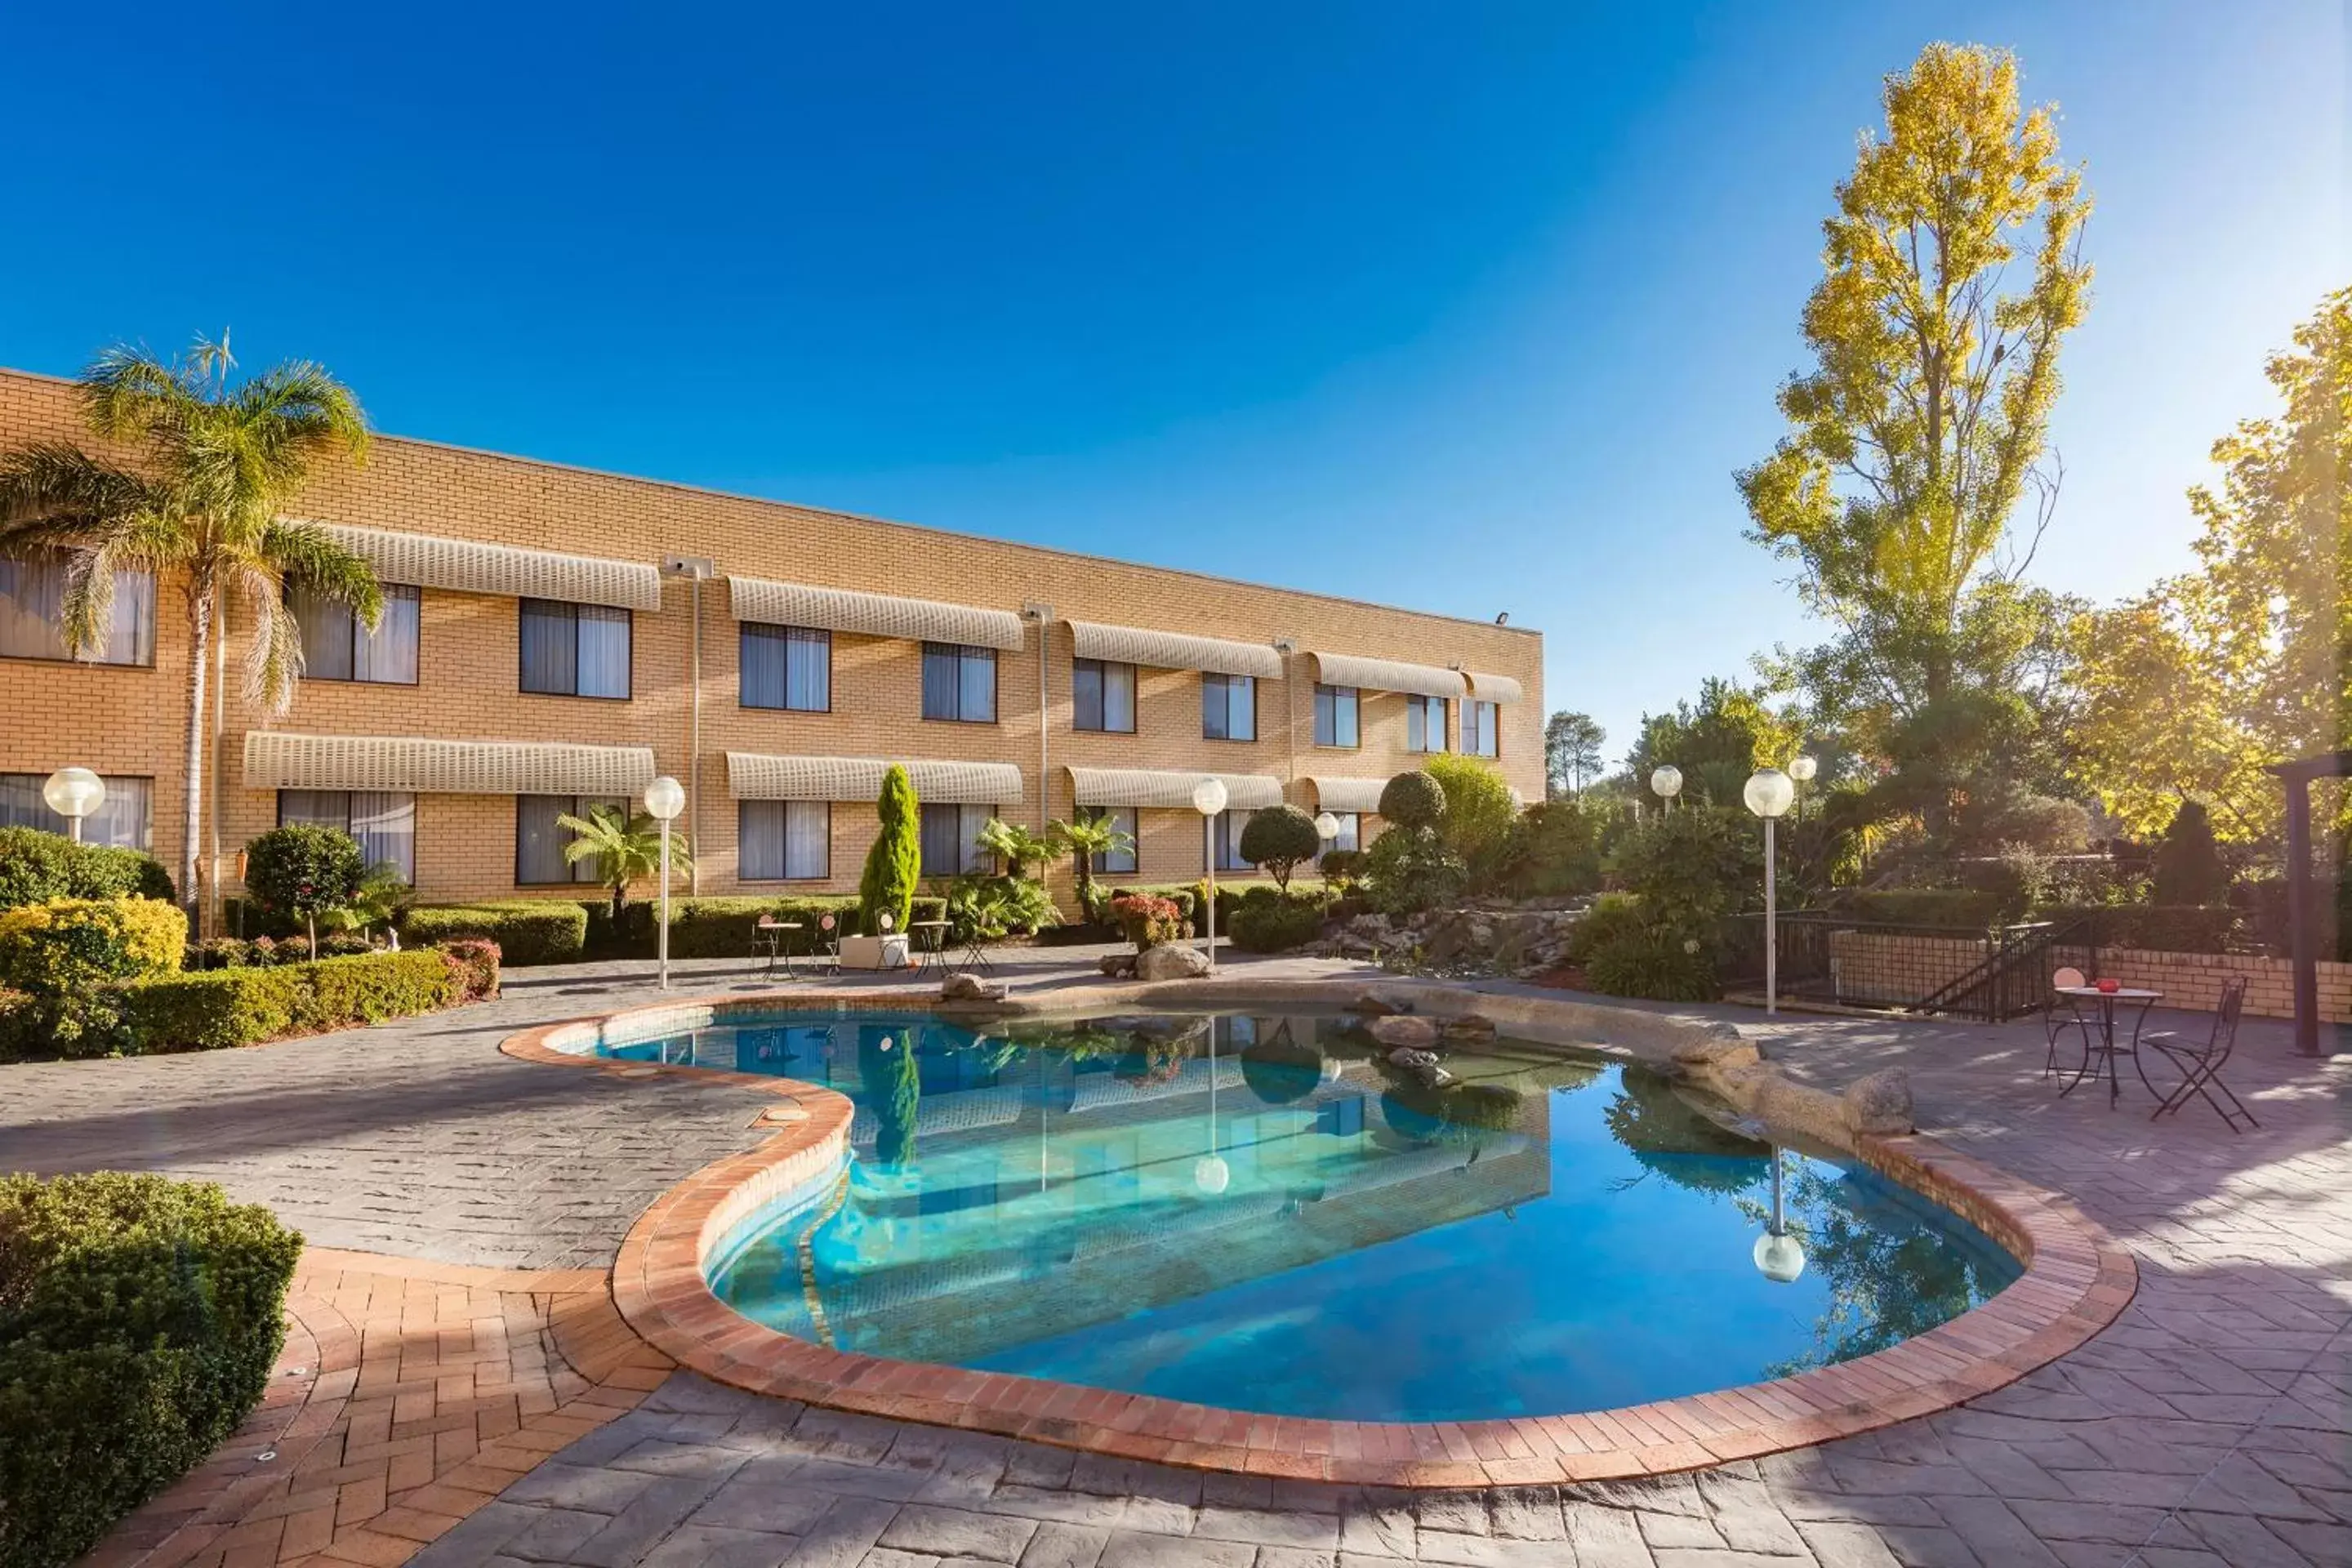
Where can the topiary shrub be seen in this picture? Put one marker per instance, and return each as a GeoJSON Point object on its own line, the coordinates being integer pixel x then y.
{"type": "Point", "coordinates": [1276, 923]}
{"type": "Point", "coordinates": [1409, 870]}
{"type": "Point", "coordinates": [300, 870]}
{"type": "Point", "coordinates": [894, 866]}
{"type": "Point", "coordinates": [2188, 867]}
{"type": "Point", "coordinates": [219, 952]}
{"type": "Point", "coordinates": [527, 931]}
{"type": "Point", "coordinates": [139, 1321]}
{"type": "Point", "coordinates": [1280, 838]}
{"type": "Point", "coordinates": [1412, 800]}
{"type": "Point", "coordinates": [35, 866]}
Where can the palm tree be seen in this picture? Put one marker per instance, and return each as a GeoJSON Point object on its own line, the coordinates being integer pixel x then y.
{"type": "Point", "coordinates": [213, 470]}
{"type": "Point", "coordinates": [1015, 846]}
{"type": "Point", "coordinates": [625, 848]}
{"type": "Point", "coordinates": [1083, 840]}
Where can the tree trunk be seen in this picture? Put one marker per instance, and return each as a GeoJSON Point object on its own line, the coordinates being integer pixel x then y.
{"type": "Point", "coordinates": [620, 897]}
{"type": "Point", "coordinates": [200, 633]}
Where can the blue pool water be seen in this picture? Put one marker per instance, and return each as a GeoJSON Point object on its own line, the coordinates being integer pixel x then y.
{"type": "Point", "coordinates": [1261, 1212]}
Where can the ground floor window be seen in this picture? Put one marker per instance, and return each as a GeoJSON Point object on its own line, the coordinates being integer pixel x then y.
{"type": "Point", "coordinates": [540, 838]}
{"type": "Point", "coordinates": [125, 820]}
{"type": "Point", "coordinates": [383, 821]}
{"type": "Point", "coordinates": [1119, 819]}
{"type": "Point", "coordinates": [783, 840]}
{"type": "Point", "coordinates": [950, 834]}
{"type": "Point", "coordinates": [1226, 840]}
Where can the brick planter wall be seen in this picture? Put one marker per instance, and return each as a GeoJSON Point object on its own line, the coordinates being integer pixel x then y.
{"type": "Point", "coordinates": [1874, 966]}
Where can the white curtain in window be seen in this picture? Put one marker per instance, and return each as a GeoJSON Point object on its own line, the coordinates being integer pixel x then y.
{"type": "Point", "coordinates": [808, 669]}
{"type": "Point", "coordinates": [808, 838]}
{"type": "Point", "coordinates": [976, 686]}
{"type": "Point", "coordinates": [1350, 829]}
{"type": "Point", "coordinates": [31, 612]}
{"type": "Point", "coordinates": [1228, 839]}
{"type": "Point", "coordinates": [326, 628]}
{"type": "Point", "coordinates": [603, 652]}
{"type": "Point", "coordinates": [539, 841]}
{"type": "Point", "coordinates": [385, 822]}
{"type": "Point", "coordinates": [783, 840]}
{"type": "Point", "coordinates": [1122, 818]}
{"type": "Point", "coordinates": [389, 653]}
{"type": "Point", "coordinates": [550, 648]}
{"type": "Point", "coordinates": [1119, 696]}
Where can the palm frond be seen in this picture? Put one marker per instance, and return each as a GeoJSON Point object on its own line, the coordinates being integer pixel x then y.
{"type": "Point", "coordinates": [273, 648]}
{"type": "Point", "coordinates": [308, 557]}
{"type": "Point", "coordinates": [128, 393]}
{"type": "Point", "coordinates": [51, 484]}
{"type": "Point", "coordinates": [296, 411]}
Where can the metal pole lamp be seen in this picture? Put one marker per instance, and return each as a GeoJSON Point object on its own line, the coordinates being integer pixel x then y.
{"type": "Point", "coordinates": [665, 799]}
{"type": "Point", "coordinates": [74, 794]}
{"type": "Point", "coordinates": [1767, 794]}
{"type": "Point", "coordinates": [1210, 1174]}
{"type": "Point", "coordinates": [1667, 783]}
{"type": "Point", "coordinates": [1780, 1256]}
{"type": "Point", "coordinates": [1803, 769]}
{"type": "Point", "coordinates": [1208, 799]}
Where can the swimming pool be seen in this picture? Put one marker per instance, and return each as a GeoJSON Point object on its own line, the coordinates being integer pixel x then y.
{"type": "Point", "coordinates": [1257, 1211]}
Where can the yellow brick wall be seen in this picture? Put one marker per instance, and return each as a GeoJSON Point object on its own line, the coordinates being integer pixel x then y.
{"type": "Point", "coordinates": [1872, 966]}
{"type": "Point", "coordinates": [131, 720]}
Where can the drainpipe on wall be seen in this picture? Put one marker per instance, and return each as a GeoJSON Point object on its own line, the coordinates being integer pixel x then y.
{"type": "Point", "coordinates": [696, 570]}
{"type": "Point", "coordinates": [1288, 648]}
{"type": "Point", "coordinates": [211, 923]}
{"type": "Point", "coordinates": [1044, 616]}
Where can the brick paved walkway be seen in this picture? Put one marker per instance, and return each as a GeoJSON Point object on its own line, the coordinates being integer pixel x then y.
{"type": "Point", "coordinates": [2208, 1427]}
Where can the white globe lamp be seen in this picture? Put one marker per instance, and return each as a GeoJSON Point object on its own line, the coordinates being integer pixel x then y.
{"type": "Point", "coordinates": [665, 799]}
{"type": "Point", "coordinates": [74, 794]}
{"type": "Point", "coordinates": [1209, 798]}
{"type": "Point", "coordinates": [1327, 827]}
{"type": "Point", "coordinates": [1767, 794]}
{"type": "Point", "coordinates": [1210, 1174]}
{"type": "Point", "coordinates": [1666, 782]}
{"type": "Point", "coordinates": [1803, 769]}
{"type": "Point", "coordinates": [1779, 1258]}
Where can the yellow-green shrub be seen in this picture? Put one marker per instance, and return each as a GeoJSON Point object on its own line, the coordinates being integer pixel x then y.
{"type": "Point", "coordinates": [66, 943]}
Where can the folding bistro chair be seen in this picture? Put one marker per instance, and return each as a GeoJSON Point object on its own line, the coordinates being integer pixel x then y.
{"type": "Point", "coordinates": [2058, 1016]}
{"type": "Point", "coordinates": [2202, 1061]}
{"type": "Point", "coordinates": [828, 943]}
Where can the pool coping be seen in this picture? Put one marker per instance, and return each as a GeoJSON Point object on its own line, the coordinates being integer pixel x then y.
{"type": "Point", "coordinates": [2077, 1279]}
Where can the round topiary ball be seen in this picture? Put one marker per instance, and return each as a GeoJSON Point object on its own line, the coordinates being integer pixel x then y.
{"type": "Point", "coordinates": [1412, 800]}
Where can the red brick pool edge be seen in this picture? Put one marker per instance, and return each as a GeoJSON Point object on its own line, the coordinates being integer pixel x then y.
{"type": "Point", "coordinates": [2077, 1280]}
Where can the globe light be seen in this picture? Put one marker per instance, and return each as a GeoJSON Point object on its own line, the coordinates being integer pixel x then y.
{"type": "Point", "coordinates": [1211, 1173]}
{"type": "Point", "coordinates": [1779, 1257]}
{"type": "Point", "coordinates": [1769, 793]}
{"type": "Point", "coordinates": [74, 794]}
{"type": "Point", "coordinates": [1327, 827]}
{"type": "Point", "coordinates": [1667, 780]}
{"type": "Point", "coordinates": [1209, 797]}
{"type": "Point", "coordinates": [665, 799]}
{"type": "Point", "coordinates": [1803, 769]}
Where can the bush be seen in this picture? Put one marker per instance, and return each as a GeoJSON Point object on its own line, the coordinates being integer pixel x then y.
{"type": "Point", "coordinates": [2188, 866]}
{"type": "Point", "coordinates": [1412, 800]}
{"type": "Point", "coordinates": [1146, 920]}
{"type": "Point", "coordinates": [474, 964]}
{"type": "Point", "coordinates": [302, 870]}
{"type": "Point", "coordinates": [139, 1321]}
{"type": "Point", "coordinates": [36, 867]}
{"type": "Point", "coordinates": [1276, 923]}
{"type": "Point", "coordinates": [1341, 868]}
{"type": "Point", "coordinates": [1952, 908]}
{"type": "Point", "coordinates": [2155, 928]}
{"type": "Point", "coordinates": [65, 958]}
{"type": "Point", "coordinates": [1656, 965]}
{"type": "Point", "coordinates": [894, 864]}
{"type": "Point", "coordinates": [1610, 918]}
{"type": "Point", "coordinates": [1410, 869]}
{"type": "Point", "coordinates": [225, 1007]}
{"type": "Point", "coordinates": [1479, 815]}
{"type": "Point", "coordinates": [527, 931]}
{"type": "Point", "coordinates": [1280, 838]}
{"type": "Point", "coordinates": [218, 952]}
{"type": "Point", "coordinates": [1561, 850]}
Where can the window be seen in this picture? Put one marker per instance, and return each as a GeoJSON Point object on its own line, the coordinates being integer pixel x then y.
{"type": "Point", "coordinates": [1226, 840]}
{"type": "Point", "coordinates": [1481, 728]}
{"type": "Point", "coordinates": [32, 612]}
{"type": "Point", "coordinates": [950, 840]}
{"type": "Point", "coordinates": [123, 820]}
{"type": "Point", "coordinates": [383, 821]}
{"type": "Point", "coordinates": [1350, 833]}
{"type": "Point", "coordinates": [1425, 723]}
{"type": "Point", "coordinates": [574, 650]}
{"type": "Point", "coordinates": [1229, 707]}
{"type": "Point", "coordinates": [786, 667]}
{"type": "Point", "coordinates": [783, 840]}
{"type": "Point", "coordinates": [1334, 716]}
{"type": "Point", "coordinates": [1121, 819]}
{"type": "Point", "coordinates": [336, 646]}
{"type": "Point", "coordinates": [960, 683]}
{"type": "Point", "coordinates": [1102, 696]}
{"type": "Point", "coordinates": [540, 838]}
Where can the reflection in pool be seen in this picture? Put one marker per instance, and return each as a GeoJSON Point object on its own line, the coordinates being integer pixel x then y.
{"type": "Point", "coordinates": [1262, 1213]}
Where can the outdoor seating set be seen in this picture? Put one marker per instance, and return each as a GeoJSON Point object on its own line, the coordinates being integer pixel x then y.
{"type": "Point", "coordinates": [2089, 1009]}
{"type": "Point", "coordinates": [771, 941]}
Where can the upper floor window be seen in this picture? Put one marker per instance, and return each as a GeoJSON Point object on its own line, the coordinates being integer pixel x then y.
{"type": "Point", "coordinates": [383, 821]}
{"type": "Point", "coordinates": [1229, 707]}
{"type": "Point", "coordinates": [1481, 728]}
{"type": "Point", "coordinates": [31, 612]}
{"type": "Point", "coordinates": [1102, 696]}
{"type": "Point", "coordinates": [1425, 723]}
{"type": "Point", "coordinates": [783, 840]}
{"type": "Point", "coordinates": [1225, 840]}
{"type": "Point", "coordinates": [1352, 831]}
{"type": "Point", "coordinates": [574, 650]}
{"type": "Point", "coordinates": [124, 819]}
{"type": "Point", "coordinates": [336, 646]}
{"type": "Point", "coordinates": [1119, 819]}
{"type": "Point", "coordinates": [952, 840]}
{"type": "Point", "coordinates": [540, 838]}
{"type": "Point", "coordinates": [786, 667]}
{"type": "Point", "coordinates": [960, 683]}
{"type": "Point", "coordinates": [1334, 716]}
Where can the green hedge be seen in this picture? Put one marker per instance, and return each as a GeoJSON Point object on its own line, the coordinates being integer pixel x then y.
{"type": "Point", "coordinates": [723, 926]}
{"type": "Point", "coordinates": [1958, 909]}
{"type": "Point", "coordinates": [527, 931]}
{"type": "Point", "coordinates": [223, 1007]}
{"type": "Point", "coordinates": [1266, 921]}
{"type": "Point", "coordinates": [35, 866]}
{"type": "Point", "coordinates": [139, 1321]}
{"type": "Point", "coordinates": [2155, 928]}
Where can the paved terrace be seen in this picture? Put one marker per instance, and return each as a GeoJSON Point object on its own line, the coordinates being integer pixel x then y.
{"type": "Point", "coordinates": [482, 1396]}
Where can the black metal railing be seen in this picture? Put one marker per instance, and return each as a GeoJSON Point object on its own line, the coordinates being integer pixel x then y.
{"type": "Point", "coordinates": [2007, 975]}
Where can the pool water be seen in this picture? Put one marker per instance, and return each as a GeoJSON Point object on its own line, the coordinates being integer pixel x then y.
{"type": "Point", "coordinates": [1259, 1212]}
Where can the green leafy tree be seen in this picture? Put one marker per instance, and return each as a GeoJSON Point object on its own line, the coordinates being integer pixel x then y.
{"type": "Point", "coordinates": [1480, 819]}
{"type": "Point", "coordinates": [622, 848]}
{"type": "Point", "coordinates": [894, 867]}
{"type": "Point", "coordinates": [1280, 838]}
{"type": "Point", "coordinates": [1090, 836]}
{"type": "Point", "coordinates": [1716, 743]}
{"type": "Point", "coordinates": [211, 471]}
{"type": "Point", "coordinates": [1015, 846]}
{"type": "Point", "coordinates": [2188, 866]}
{"type": "Point", "coordinates": [1573, 744]}
{"type": "Point", "coordinates": [303, 871]}
{"type": "Point", "coordinates": [1953, 273]}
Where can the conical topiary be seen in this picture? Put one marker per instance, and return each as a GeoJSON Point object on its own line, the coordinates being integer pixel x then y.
{"type": "Point", "coordinates": [2188, 866]}
{"type": "Point", "coordinates": [895, 865]}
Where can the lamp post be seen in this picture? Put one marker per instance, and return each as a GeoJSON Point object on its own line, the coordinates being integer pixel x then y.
{"type": "Point", "coordinates": [1208, 799]}
{"type": "Point", "coordinates": [1803, 769]}
{"type": "Point", "coordinates": [1326, 829]}
{"type": "Point", "coordinates": [1667, 781]}
{"type": "Point", "coordinates": [74, 794]}
{"type": "Point", "coordinates": [1780, 1256]}
{"type": "Point", "coordinates": [665, 799]}
{"type": "Point", "coordinates": [1209, 1171]}
{"type": "Point", "coordinates": [1767, 794]}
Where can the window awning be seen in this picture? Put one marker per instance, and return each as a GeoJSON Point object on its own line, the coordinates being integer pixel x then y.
{"type": "Point", "coordinates": [1346, 795]}
{"type": "Point", "coordinates": [1387, 675]}
{"type": "Point", "coordinates": [875, 614]}
{"type": "Point", "coordinates": [469, 566]}
{"type": "Point", "coordinates": [1128, 786]}
{"type": "Point", "coordinates": [1175, 650]}
{"type": "Point", "coordinates": [443, 767]}
{"type": "Point", "coordinates": [1493, 687]}
{"type": "Point", "coordinates": [752, 776]}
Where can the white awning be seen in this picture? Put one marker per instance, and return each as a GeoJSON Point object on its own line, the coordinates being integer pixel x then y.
{"type": "Point", "coordinates": [443, 767]}
{"type": "Point", "coordinates": [469, 566]}
{"type": "Point", "coordinates": [1175, 650]}
{"type": "Point", "coordinates": [1346, 795]}
{"type": "Point", "coordinates": [1493, 687]}
{"type": "Point", "coordinates": [1131, 786]}
{"type": "Point", "coordinates": [875, 614]}
{"type": "Point", "coordinates": [752, 776]}
{"type": "Point", "coordinates": [1387, 675]}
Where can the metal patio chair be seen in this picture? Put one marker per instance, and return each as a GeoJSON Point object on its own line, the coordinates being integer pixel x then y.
{"type": "Point", "coordinates": [827, 949]}
{"type": "Point", "coordinates": [2202, 1060]}
{"type": "Point", "coordinates": [2057, 1017]}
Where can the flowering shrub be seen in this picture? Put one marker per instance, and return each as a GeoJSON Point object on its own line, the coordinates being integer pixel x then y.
{"type": "Point", "coordinates": [1147, 921]}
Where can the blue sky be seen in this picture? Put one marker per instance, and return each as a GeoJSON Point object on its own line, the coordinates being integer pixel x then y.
{"type": "Point", "coordinates": [1475, 314]}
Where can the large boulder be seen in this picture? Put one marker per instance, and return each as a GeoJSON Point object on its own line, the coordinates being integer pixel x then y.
{"type": "Point", "coordinates": [1117, 966]}
{"type": "Point", "coordinates": [962, 987]}
{"type": "Point", "coordinates": [1469, 1026]}
{"type": "Point", "coordinates": [1721, 1049]}
{"type": "Point", "coordinates": [1404, 1029]}
{"type": "Point", "coordinates": [1879, 1103]}
{"type": "Point", "coordinates": [1171, 961]}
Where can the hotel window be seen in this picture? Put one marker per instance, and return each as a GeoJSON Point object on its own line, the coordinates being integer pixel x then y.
{"type": "Point", "coordinates": [786, 667]}
{"type": "Point", "coordinates": [574, 650]}
{"type": "Point", "coordinates": [1350, 833]}
{"type": "Point", "coordinates": [123, 821]}
{"type": "Point", "coordinates": [540, 838]}
{"type": "Point", "coordinates": [959, 683]}
{"type": "Point", "coordinates": [783, 840]}
{"type": "Point", "coordinates": [336, 646]}
{"type": "Point", "coordinates": [1481, 728]}
{"type": "Point", "coordinates": [1229, 707]}
{"type": "Point", "coordinates": [383, 821]}
{"type": "Point", "coordinates": [1334, 716]}
{"type": "Point", "coordinates": [950, 840]}
{"type": "Point", "coordinates": [1102, 696]}
{"type": "Point", "coordinates": [1226, 829]}
{"type": "Point", "coordinates": [31, 612]}
{"type": "Point", "coordinates": [1425, 723]}
{"type": "Point", "coordinates": [1121, 819]}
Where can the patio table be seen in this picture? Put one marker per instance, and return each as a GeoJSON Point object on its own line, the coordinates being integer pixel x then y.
{"type": "Point", "coordinates": [2102, 1048]}
{"type": "Point", "coordinates": [935, 955]}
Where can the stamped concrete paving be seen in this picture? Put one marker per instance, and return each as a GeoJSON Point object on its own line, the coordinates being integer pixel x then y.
{"type": "Point", "coordinates": [2208, 1426]}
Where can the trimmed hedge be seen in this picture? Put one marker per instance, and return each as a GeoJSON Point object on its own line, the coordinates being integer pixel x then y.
{"type": "Point", "coordinates": [223, 1007]}
{"type": "Point", "coordinates": [1956, 909]}
{"type": "Point", "coordinates": [35, 866]}
{"type": "Point", "coordinates": [527, 931]}
{"type": "Point", "coordinates": [723, 926]}
{"type": "Point", "coordinates": [139, 1321]}
{"type": "Point", "coordinates": [67, 942]}
{"type": "Point", "coordinates": [1271, 923]}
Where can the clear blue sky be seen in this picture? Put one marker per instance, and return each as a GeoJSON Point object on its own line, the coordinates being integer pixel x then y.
{"type": "Point", "coordinates": [1473, 317]}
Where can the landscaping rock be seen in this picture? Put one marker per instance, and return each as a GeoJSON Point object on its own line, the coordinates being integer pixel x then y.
{"type": "Point", "coordinates": [1370, 1006]}
{"type": "Point", "coordinates": [1409, 1057]}
{"type": "Point", "coordinates": [966, 987]}
{"type": "Point", "coordinates": [1470, 1027]}
{"type": "Point", "coordinates": [1723, 1049]}
{"type": "Point", "coordinates": [1879, 1103]}
{"type": "Point", "coordinates": [1117, 966]}
{"type": "Point", "coordinates": [1171, 961]}
{"type": "Point", "coordinates": [1404, 1029]}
